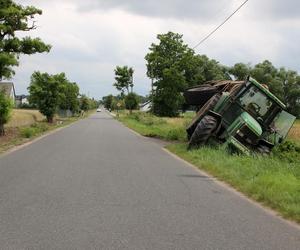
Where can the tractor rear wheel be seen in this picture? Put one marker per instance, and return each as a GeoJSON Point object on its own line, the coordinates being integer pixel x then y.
{"type": "Point", "coordinates": [203, 131]}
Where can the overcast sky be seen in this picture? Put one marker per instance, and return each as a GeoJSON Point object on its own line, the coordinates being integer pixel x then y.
{"type": "Point", "coordinates": [91, 37]}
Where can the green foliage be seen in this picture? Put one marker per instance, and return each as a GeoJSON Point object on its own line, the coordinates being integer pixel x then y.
{"type": "Point", "coordinates": [153, 126]}
{"type": "Point", "coordinates": [87, 103]}
{"type": "Point", "coordinates": [45, 93]}
{"type": "Point", "coordinates": [131, 101]}
{"type": "Point", "coordinates": [173, 66]}
{"type": "Point", "coordinates": [69, 93]}
{"type": "Point", "coordinates": [107, 101]}
{"type": "Point", "coordinates": [33, 130]}
{"type": "Point", "coordinates": [167, 98]}
{"type": "Point", "coordinates": [124, 78]}
{"type": "Point", "coordinates": [15, 18]}
{"type": "Point", "coordinates": [290, 151]}
{"type": "Point", "coordinates": [84, 103]}
{"type": "Point", "coordinates": [240, 71]}
{"type": "Point", "coordinates": [117, 104]}
{"type": "Point", "coordinates": [5, 110]}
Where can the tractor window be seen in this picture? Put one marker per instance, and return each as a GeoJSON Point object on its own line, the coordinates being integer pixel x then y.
{"type": "Point", "coordinates": [255, 102]}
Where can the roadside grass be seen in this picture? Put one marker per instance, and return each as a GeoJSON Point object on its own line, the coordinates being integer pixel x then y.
{"type": "Point", "coordinates": [18, 135]}
{"type": "Point", "coordinates": [151, 126]}
{"type": "Point", "coordinates": [271, 180]}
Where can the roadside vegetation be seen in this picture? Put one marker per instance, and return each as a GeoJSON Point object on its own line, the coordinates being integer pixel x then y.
{"type": "Point", "coordinates": [271, 180]}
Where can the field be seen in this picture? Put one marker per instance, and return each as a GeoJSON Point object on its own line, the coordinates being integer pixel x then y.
{"type": "Point", "coordinates": [295, 131]}
{"type": "Point", "coordinates": [271, 180]}
{"type": "Point", "coordinates": [24, 117]}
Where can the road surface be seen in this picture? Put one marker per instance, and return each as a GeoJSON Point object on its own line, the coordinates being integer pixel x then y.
{"type": "Point", "coordinates": [97, 185]}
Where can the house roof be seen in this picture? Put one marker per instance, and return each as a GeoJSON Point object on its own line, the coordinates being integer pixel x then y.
{"type": "Point", "coordinates": [7, 87]}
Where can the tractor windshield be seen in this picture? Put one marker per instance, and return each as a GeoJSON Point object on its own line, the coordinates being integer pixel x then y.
{"type": "Point", "coordinates": [255, 102]}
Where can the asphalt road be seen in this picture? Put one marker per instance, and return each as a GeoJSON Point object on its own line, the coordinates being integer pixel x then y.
{"type": "Point", "coordinates": [97, 185]}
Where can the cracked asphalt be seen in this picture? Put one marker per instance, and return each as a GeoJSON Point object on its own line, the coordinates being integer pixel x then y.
{"type": "Point", "coordinates": [98, 185]}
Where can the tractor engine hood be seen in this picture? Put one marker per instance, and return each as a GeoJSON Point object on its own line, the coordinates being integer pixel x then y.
{"type": "Point", "coordinates": [251, 123]}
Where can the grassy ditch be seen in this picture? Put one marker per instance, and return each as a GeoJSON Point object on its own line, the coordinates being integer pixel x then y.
{"type": "Point", "coordinates": [17, 134]}
{"type": "Point", "coordinates": [272, 180]}
{"type": "Point", "coordinates": [151, 126]}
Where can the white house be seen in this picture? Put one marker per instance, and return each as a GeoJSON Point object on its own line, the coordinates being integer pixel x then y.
{"type": "Point", "coordinates": [9, 90]}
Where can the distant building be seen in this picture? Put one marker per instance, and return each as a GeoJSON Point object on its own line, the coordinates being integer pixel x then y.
{"type": "Point", "coordinates": [146, 107]}
{"type": "Point", "coordinates": [9, 90]}
{"type": "Point", "coordinates": [21, 100]}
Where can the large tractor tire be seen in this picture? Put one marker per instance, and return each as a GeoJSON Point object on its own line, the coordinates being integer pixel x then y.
{"type": "Point", "coordinates": [211, 103]}
{"type": "Point", "coordinates": [203, 131]}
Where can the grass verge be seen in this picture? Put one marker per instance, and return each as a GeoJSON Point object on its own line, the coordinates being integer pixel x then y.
{"type": "Point", "coordinates": [151, 126]}
{"type": "Point", "coordinates": [271, 180]}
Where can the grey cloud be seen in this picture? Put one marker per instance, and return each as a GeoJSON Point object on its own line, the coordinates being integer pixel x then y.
{"type": "Point", "coordinates": [205, 10]}
{"type": "Point", "coordinates": [189, 9]}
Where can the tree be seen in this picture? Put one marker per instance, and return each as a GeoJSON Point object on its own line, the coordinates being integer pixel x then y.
{"type": "Point", "coordinates": [131, 101]}
{"type": "Point", "coordinates": [168, 98]}
{"type": "Point", "coordinates": [17, 18]}
{"type": "Point", "coordinates": [45, 92]}
{"type": "Point", "coordinates": [240, 71]}
{"type": "Point", "coordinates": [69, 92]}
{"type": "Point", "coordinates": [84, 103]}
{"type": "Point", "coordinates": [107, 101]}
{"type": "Point", "coordinates": [124, 79]}
{"type": "Point", "coordinates": [166, 66]}
{"type": "Point", "coordinates": [5, 111]}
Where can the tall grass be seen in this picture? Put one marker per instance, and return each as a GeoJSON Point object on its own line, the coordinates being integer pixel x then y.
{"type": "Point", "coordinates": [24, 117]}
{"type": "Point", "coordinates": [152, 126]}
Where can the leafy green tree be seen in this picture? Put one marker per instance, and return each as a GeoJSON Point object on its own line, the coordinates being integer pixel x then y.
{"type": "Point", "coordinates": [240, 71]}
{"type": "Point", "coordinates": [5, 111]}
{"type": "Point", "coordinates": [84, 103]}
{"type": "Point", "coordinates": [131, 101]}
{"type": "Point", "coordinates": [44, 92]}
{"type": "Point", "coordinates": [264, 72]}
{"type": "Point", "coordinates": [107, 101]}
{"type": "Point", "coordinates": [124, 79]}
{"type": "Point", "coordinates": [166, 66]}
{"type": "Point", "coordinates": [68, 94]}
{"type": "Point", "coordinates": [168, 98]}
{"type": "Point", "coordinates": [171, 54]}
{"type": "Point", "coordinates": [17, 18]}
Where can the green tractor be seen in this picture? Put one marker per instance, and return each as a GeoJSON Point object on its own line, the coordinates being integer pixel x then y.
{"type": "Point", "coordinates": [243, 115]}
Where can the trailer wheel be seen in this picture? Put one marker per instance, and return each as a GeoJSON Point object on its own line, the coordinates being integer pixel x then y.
{"type": "Point", "coordinates": [203, 131]}
{"type": "Point", "coordinates": [264, 150]}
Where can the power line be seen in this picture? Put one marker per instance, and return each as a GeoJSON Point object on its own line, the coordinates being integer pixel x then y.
{"type": "Point", "coordinates": [205, 38]}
